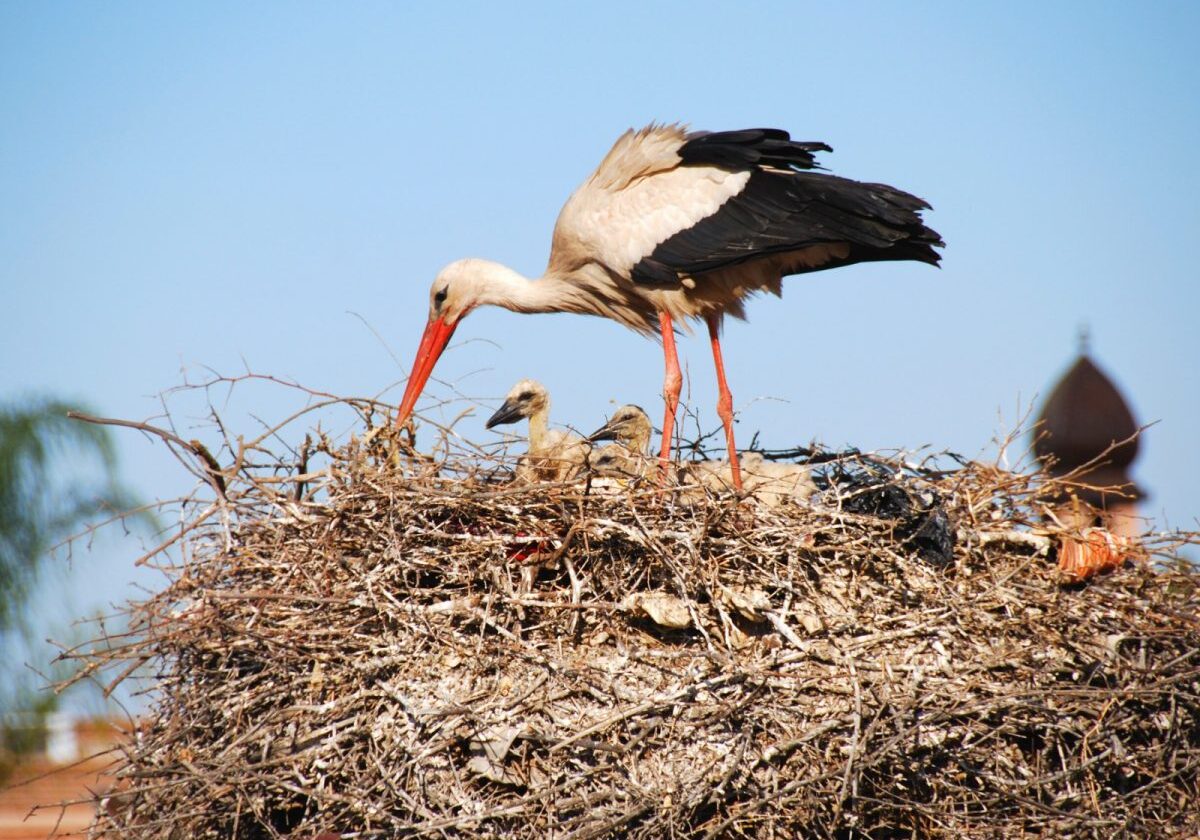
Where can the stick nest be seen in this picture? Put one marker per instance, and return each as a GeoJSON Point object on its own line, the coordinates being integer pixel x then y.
{"type": "Point", "coordinates": [393, 645]}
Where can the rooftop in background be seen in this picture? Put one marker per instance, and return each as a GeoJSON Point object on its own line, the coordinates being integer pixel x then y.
{"type": "Point", "coordinates": [1086, 419]}
{"type": "Point", "coordinates": [70, 769]}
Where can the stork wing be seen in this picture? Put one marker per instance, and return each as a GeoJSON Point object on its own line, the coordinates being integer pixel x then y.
{"type": "Point", "coordinates": [784, 211]}
{"type": "Point", "coordinates": [637, 155]}
{"type": "Point", "coordinates": [641, 194]}
{"type": "Point", "coordinates": [800, 215]}
{"type": "Point", "coordinates": [664, 205]}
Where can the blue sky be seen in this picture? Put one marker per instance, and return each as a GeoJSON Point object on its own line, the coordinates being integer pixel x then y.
{"type": "Point", "coordinates": [186, 187]}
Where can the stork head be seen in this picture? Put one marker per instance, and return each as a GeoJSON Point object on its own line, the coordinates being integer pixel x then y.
{"type": "Point", "coordinates": [615, 461]}
{"type": "Point", "coordinates": [458, 288]}
{"type": "Point", "coordinates": [628, 426]}
{"type": "Point", "coordinates": [526, 399]}
{"type": "Point", "coordinates": [612, 459]}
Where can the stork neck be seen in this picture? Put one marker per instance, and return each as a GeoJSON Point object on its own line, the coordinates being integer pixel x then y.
{"type": "Point", "coordinates": [518, 293]}
{"type": "Point", "coordinates": [538, 431]}
{"type": "Point", "coordinates": [641, 442]}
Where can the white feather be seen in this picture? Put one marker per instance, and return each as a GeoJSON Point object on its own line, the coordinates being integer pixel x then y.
{"type": "Point", "coordinates": [621, 228]}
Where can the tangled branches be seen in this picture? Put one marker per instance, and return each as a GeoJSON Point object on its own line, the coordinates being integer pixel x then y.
{"type": "Point", "coordinates": [395, 645]}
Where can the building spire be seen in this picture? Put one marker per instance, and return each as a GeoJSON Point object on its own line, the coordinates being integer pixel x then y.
{"type": "Point", "coordinates": [1085, 339]}
{"type": "Point", "coordinates": [1087, 430]}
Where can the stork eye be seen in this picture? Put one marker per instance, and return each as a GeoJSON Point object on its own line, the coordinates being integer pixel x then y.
{"type": "Point", "coordinates": [440, 296]}
{"type": "Point", "coordinates": [526, 397]}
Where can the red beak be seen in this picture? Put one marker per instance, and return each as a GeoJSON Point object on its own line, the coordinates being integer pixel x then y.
{"type": "Point", "coordinates": [433, 342]}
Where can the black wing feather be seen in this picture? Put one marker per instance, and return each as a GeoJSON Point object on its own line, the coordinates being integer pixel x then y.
{"type": "Point", "coordinates": [749, 148]}
{"type": "Point", "coordinates": [783, 208]}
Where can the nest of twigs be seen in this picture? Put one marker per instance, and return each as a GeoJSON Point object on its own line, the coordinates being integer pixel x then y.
{"type": "Point", "coordinates": [394, 645]}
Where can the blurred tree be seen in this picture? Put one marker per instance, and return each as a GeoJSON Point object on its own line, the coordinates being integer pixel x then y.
{"type": "Point", "coordinates": [39, 444]}
{"type": "Point", "coordinates": [57, 476]}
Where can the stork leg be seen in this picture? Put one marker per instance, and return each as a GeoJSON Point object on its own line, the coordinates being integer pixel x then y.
{"type": "Point", "coordinates": [724, 399]}
{"type": "Point", "coordinates": [672, 384]}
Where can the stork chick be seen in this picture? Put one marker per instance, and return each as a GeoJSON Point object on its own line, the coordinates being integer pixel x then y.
{"type": "Point", "coordinates": [554, 455]}
{"type": "Point", "coordinates": [629, 426]}
{"type": "Point", "coordinates": [617, 462]}
{"type": "Point", "coordinates": [773, 483]}
{"type": "Point", "coordinates": [769, 482]}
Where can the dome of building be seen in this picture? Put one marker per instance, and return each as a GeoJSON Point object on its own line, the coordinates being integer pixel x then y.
{"type": "Point", "coordinates": [1085, 415]}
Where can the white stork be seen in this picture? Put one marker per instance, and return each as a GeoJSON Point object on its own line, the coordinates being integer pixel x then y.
{"type": "Point", "coordinates": [554, 455]}
{"type": "Point", "coordinates": [769, 482]}
{"type": "Point", "coordinates": [629, 426]}
{"type": "Point", "coordinates": [674, 226]}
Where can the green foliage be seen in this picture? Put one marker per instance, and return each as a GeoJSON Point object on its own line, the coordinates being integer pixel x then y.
{"type": "Point", "coordinates": [56, 476]}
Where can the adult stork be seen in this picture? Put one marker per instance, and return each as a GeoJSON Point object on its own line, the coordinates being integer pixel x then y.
{"type": "Point", "coordinates": [675, 226]}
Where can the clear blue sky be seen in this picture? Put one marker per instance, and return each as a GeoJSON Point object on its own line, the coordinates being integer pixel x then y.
{"type": "Point", "coordinates": [191, 186]}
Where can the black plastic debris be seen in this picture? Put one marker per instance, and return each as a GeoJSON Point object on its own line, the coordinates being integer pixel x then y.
{"type": "Point", "coordinates": [921, 521]}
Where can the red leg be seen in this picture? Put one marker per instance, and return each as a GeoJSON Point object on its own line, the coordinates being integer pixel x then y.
{"type": "Point", "coordinates": [725, 399]}
{"type": "Point", "coordinates": [672, 384]}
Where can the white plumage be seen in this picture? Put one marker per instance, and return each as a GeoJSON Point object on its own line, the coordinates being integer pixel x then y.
{"type": "Point", "coordinates": [554, 454]}
{"type": "Point", "coordinates": [674, 226]}
{"type": "Point", "coordinates": [770, 482]}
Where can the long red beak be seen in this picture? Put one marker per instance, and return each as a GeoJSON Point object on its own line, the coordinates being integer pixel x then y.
{"type": "Point", "coordinates": [433, 342]}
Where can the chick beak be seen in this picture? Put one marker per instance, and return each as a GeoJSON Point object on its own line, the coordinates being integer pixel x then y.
{"type": "Point", "coordinates": [609, 431]}
{"type": "Point", "coordinates": [510, 412]}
